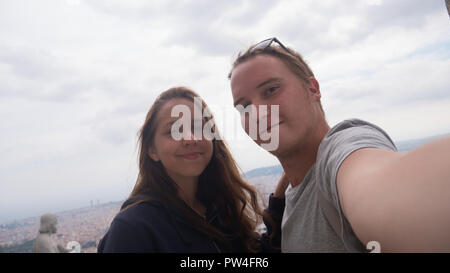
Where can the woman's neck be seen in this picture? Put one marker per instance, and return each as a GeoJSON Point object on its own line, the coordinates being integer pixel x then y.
{"type": "Point", "coordinates": [187, 190]}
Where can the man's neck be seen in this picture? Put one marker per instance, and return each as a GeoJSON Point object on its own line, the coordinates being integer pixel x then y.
{"type": "Point", "coordinates": [298, 162]}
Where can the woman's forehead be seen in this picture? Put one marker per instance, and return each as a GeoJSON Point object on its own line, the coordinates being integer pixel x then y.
{"type": "Point", "coordinates": [179, 107]}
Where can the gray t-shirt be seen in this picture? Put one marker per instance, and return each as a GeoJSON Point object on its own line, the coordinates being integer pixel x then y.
{"type": "Point", "coordinates": [305, 227]}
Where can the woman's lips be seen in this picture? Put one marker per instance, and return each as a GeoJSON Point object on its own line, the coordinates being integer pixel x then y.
{"type": "Point", "coordinates": [191, 156]}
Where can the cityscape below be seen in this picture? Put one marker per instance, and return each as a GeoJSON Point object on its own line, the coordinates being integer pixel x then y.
{"type": "Point", "coordinates": [87, 225]}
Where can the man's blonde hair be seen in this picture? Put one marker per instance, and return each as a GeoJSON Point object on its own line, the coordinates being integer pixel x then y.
{"type": "Point", "coordinates": [292, 59]}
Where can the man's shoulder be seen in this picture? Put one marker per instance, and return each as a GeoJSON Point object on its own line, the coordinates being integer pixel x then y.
{"type": "Point", "coordinates": [353, 124]}
{"type": "Point", "coordinates": [342, 140]}
{"type": "Point", "coordinates": [355, 132]}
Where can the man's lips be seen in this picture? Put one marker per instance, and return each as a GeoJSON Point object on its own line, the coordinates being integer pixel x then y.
{"type": "Point", "coordinates": [266, 133]}
{"type": "Point", "coordinates": [271, 127]}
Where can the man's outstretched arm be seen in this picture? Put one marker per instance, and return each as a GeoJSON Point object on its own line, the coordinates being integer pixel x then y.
{"type": "Point", "coordinates": [400, 200]}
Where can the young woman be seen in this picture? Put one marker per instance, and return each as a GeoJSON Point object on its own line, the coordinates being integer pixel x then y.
{"type": "Point", "coordinates": [189, 196]}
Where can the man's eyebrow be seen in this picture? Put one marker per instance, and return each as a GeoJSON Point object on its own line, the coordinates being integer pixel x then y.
{"type": "Point", "coordinates": [275, 79]}
{"type": "Point", "coordinates": [268, 81]}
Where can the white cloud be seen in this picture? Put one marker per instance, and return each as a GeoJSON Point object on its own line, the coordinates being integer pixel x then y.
{"type": "Point", "coordinates": [78, 77]}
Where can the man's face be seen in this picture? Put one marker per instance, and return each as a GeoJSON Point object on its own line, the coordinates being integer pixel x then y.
{"type": "Point", "coordinates": [266, 80]}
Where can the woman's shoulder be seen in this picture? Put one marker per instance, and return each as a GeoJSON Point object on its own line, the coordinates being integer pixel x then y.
{"type": "Point", "coordinates": [135, 227]}
{"type": "Point", "coordinates": [138, 209]}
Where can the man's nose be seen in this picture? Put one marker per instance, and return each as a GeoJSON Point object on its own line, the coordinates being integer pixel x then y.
{"type": "Point", "coordinates": [259, 112]}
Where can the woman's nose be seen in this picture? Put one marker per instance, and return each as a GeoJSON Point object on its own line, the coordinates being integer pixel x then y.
{"type": "Point", "coordinates": [189, 138]}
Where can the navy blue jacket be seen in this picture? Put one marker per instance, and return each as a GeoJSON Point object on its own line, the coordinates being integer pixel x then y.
{"type": "Point", "coordinates": [157, 227]}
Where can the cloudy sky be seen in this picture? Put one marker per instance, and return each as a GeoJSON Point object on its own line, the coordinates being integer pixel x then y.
{"type": "Point", "coordinates": [78, 77]}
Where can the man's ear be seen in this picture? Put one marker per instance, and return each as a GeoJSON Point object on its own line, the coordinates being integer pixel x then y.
{"type": "Point", "coordinates": [152, 154]}
{"type": "Point", "coordinates": [314, 88]}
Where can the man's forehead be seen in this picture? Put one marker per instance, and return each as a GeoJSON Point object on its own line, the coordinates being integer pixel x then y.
{"type": "Point", "coordinates": [258, 62]}
{"type": "Point", "coordinates": [251, 73]}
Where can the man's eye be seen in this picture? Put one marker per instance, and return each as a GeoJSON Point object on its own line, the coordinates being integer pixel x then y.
{"type": "Point", "coordinates": [245, 105]}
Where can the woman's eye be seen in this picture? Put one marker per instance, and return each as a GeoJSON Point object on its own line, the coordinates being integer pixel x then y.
{"type": "Point", "coordinates": [176, 130]}
{"type": "Point", "coordinates": [271, 90]}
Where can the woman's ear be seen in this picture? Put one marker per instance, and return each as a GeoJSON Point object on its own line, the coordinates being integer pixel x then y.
{"type": "Point", "coordinates": [152, 154]}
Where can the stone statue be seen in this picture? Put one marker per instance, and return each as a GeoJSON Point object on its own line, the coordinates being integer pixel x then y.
{"type": "Point", "coordinates": [44, 243]}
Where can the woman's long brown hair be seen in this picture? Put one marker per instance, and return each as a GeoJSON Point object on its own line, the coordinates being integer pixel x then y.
{"type": "Point", "coordinates": [220, 184]}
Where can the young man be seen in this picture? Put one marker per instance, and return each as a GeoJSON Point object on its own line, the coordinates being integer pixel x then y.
{"type": "Point", "coordinates": [349, 185]}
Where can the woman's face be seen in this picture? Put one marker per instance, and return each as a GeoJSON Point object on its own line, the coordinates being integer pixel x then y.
{"type": "Point", "coordinates": [185, 158]}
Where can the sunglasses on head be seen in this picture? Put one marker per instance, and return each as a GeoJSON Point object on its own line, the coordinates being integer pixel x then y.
{"type": "Point", "coordinates": [264, 44]}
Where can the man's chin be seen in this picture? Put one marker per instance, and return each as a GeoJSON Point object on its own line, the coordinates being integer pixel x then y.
{"type": "Point", "coordinates": [280, 150]}
{"type": "Point", "coordinates": [269, 147]}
